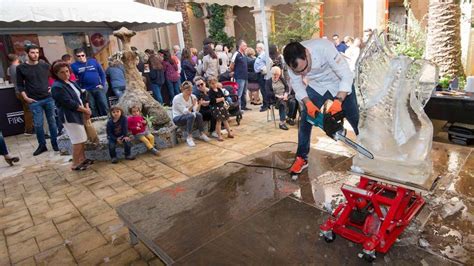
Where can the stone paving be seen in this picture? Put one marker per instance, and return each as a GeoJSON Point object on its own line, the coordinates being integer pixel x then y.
{"type": "Point", "coordinates": [51, 215]}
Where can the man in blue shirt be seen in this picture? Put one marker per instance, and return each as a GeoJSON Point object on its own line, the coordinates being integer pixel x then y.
{"type": "Point", "coordinates": [92, 78]}
{"type": "Point", "coordinates": [241, 75]}
{"type": "Point", "coordinates": [261, 68]}
{"type": "Point", "coordinates": [341, 47]}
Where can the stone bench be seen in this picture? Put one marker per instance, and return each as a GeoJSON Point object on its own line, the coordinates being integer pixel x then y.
{"type": "Point", "coordinates": [165, 137]}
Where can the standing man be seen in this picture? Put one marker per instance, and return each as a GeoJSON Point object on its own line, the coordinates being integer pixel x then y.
{"type": "Point", "coordinates": [239, 66]}
{"type": "Point", "coordinates": [328, 77]}
{"type": "Point", "coordinates": [260, 68]}
{"type": "Point", "coordinates": [32, 82]}
{"type": "Point", "coordinates": [91, 77]}
{"type": "Point", "coordinates": [14, 62]}
{"type": "Point", "coordinates": [340, 46]}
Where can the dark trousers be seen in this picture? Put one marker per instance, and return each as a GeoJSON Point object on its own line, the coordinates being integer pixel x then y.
{"type": "Point", "coordinates": [3, 145]}
{"type": "Point", "coordinates": [261, 84]}
{"type": "Point", "coordinates": [113, 145]}
{"type": "Point", "coordinates": [292, 107]}
{"type": "Point", "coordinates": [207, 116]}
{"type": "Point", "coordinates": [351, 112]}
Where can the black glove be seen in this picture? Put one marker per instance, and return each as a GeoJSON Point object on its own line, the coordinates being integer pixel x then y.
{"type": "Point", "coordinates": [333, 123]}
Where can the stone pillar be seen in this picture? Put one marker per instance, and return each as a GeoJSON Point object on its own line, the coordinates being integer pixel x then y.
{"type": "Point", "coordinates": [229, 18]}
{"type": "Point", "coordinates": [258, 22]}
{"type": "Point", "coordinates": [374, 14]}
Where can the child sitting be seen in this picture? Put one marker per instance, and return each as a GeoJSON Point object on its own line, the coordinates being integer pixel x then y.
{"type": "Point", "coordinates": [117, 133]}
{"type": "Point", "coordinates": [218, 110]}
{"type": "Point", "coordinates": [138, 126]}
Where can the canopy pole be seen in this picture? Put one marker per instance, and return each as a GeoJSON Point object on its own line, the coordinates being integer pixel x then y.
{"type": "Point", "coordinates": [181, 35]}
{"type": "Point", "coordinates": [263, 18]}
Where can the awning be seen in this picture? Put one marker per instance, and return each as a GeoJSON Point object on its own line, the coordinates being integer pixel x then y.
{"type": "Point", "coordinates": [244, 3]}
{"type": "Point", "coordinates": [81, 15]}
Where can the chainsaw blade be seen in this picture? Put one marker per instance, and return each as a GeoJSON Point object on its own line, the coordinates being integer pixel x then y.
{"type": "Point", "coordinates": [353, 145]}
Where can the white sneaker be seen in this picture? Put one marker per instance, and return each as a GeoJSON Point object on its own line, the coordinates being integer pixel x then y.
{"type": "Point", "coordinates": [214, 135]}
{"type": "Point", "coordinates": [204, 137]}
{"type": "Point", "coordinates": [190, 142]}
{"type": "Point", "coordinates": [224, 131]}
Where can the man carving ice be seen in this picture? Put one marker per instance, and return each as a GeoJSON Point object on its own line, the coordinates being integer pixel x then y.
{"type": "Point", "coordinates": [318, 72]}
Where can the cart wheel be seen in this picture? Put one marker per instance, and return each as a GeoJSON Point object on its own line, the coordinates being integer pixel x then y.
{"type": "Point", "coordinates": [329, 236]}
{"type": "Point", "coordinates": [369, 257]}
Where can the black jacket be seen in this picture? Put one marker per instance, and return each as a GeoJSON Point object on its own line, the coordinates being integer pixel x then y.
{"type": "Point", "coordinates": [157, 76]}
{"type": "Point", "coordinates": [269, 89]}
{"type": "Point", "coordinates": [67, 102]}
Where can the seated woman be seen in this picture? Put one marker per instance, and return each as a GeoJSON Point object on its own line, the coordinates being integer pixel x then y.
{"type": "Point", "coordinates": [277, 93]}
{"type": "Point", "coordinates": [202, 94]}
{"type": "Point", "coordinates": [186, 113]}
{"type": "Point", "coordinates": [73, 110]}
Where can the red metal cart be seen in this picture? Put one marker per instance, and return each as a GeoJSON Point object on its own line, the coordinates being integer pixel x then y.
{"type": "Point", "coordinates": [374, 214]}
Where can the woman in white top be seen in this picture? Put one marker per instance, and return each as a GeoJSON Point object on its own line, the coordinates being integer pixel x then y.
{"type": "Point", "coordinates": [223, 59]}
{"type": "Point", "coordinates": [210, 63]}
{"type": "Point", "coordinates": [73, 110]}
{"type": "Point", "coordinates": [352, 53]}
{"type": "Point", "coordinates": [186, 113]}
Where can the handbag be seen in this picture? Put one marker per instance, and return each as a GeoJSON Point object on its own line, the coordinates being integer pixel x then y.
{"type": "Point", "coordinates": [91, 132]}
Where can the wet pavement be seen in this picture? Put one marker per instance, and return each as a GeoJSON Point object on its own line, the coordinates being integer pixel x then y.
{"type": "Point", "coordinates": [257, 216]}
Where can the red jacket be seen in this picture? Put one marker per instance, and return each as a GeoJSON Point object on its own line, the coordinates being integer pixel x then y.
{"type": "Point", "coordinates": [136, 124]}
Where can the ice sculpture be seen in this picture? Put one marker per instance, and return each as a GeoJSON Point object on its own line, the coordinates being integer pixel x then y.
{"type": "Point", "coordinates": [392, 91]}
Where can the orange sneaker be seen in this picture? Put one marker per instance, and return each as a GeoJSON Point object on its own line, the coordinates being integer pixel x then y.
{"type": "Point", "coordinates": [298, 166]}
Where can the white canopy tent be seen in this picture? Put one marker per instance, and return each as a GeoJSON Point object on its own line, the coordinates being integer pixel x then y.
{"type": "Point", "coordinates": [20, 16]}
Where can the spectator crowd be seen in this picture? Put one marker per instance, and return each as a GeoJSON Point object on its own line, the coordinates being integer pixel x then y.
{"type": "Point", "coordinates": [209, 85]}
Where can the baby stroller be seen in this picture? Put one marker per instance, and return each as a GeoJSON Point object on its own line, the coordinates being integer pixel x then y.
{"type": "Point", "coordinates": [233, 99]}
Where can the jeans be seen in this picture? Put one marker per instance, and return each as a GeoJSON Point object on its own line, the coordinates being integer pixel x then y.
{"type": "Point", "coordinates": [98, 102]}
{"type": "Point", "coordinates": [59, 123]}
{"type": "Point", "coordinates": [156, 89]}
{"type": "Point", "coordinates": [173, 89]}
{"type": "Point", "coordinates": [351, 112]}
{"type": "Point", "coordinates": [242, 92]}
{"type": "Point", "coordinates": [113, 146]}
{"type": "Point", "coordinates": [282, 110]}
{"type": "Point", "coordinates": [261, 84]}
{"type": "Point", "coordinates": [3, 145]}
{"type": "Point", "coordinates": [118, 91]}
{"type": "Point", "coordinates": [292, 107]}
{"type": "Point", "coordinates": [37, 108]}
{"type": "Point", "coordinates": [188, 121]}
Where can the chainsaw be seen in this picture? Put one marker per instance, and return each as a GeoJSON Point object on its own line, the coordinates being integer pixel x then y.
{"type": "Point", "coordinates": [332, 125]}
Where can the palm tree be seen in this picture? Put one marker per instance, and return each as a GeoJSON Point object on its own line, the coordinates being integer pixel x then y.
{"type": "Point", "coordinates": [443, 40]}
{"type": "Point", "coordinates": [181, 7]}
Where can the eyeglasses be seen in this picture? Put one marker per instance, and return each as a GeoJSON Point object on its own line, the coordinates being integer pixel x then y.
{"type": "Point", "coordinates": [81, 55]}
{"type": "Point", "coordinates": [200, 84]}
{"type": "Point", "coordinates": [303, 70]}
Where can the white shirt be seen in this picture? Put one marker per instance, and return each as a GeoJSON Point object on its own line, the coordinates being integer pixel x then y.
{"type": "Point", "coordinates": [329, 71]}
{"type": "Point", "coordinates": [352, 53]}
{"type": "Point", "coordinates": [181, 106]}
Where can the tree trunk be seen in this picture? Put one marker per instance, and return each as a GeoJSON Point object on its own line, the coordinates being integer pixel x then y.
{"type": "Point", "coordinates": [443, 41]}
{"type": "Point", "coordinates": [135, 92]}
{"type": "Point", "coordinates": [181, 7]}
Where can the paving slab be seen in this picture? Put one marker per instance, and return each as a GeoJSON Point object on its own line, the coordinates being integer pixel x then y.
{"type": "Point", "coordinates": [287, 233]}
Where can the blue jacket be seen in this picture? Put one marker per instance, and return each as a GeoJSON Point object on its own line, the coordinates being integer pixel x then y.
{"type": "Point", "coordinates": [90, 74]}
{"type": "Point", "coordinates": [188, 69]}
{"type": "Point", "coordinates": [67, 102]}
{"type": "Point", "coordinates": [116, 75]}
{"type": "Point", "coordinates": [118, 129]}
